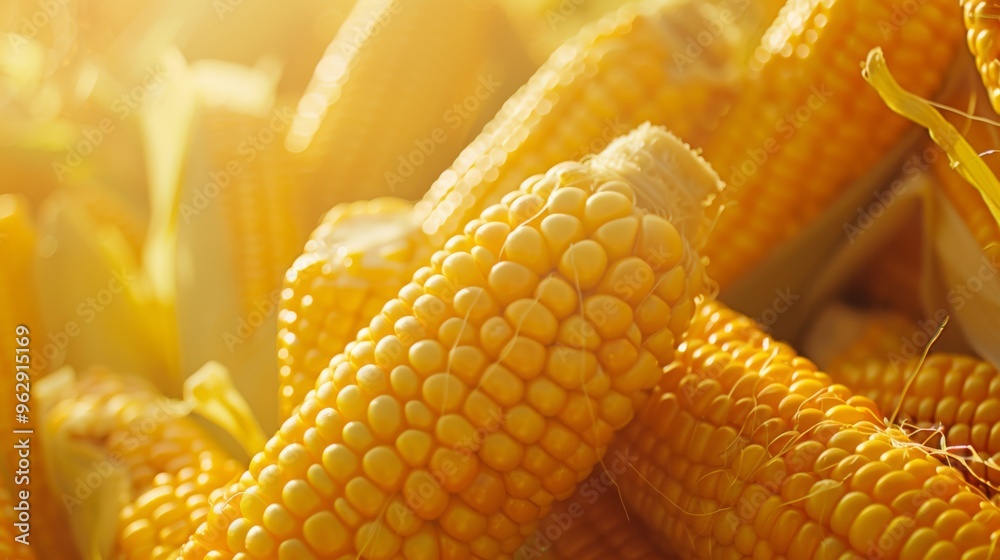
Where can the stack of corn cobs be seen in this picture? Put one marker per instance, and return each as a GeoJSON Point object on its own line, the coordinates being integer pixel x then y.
{"type": "Point", "coordinates": [718, 279]}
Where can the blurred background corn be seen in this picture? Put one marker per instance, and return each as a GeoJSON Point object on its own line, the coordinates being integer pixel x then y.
{"type": "Point", "coordinates": [262, 232]}
{"type": "Point", "coordinates": [19, 307]}
{"type": "Point", "coordinates": [494, 382]}
{"type": "Point", "coordinates": [891, 277]}
{"type": "Point", "coordinates": [156, 466]}
{"type": "Point", "coordinates": [806, 112]}
{"type": "Point", "coordinates": [377, 122]}
{"type": "Point", "coordinates": [353, 263]}
{"type": "Point", "coordinates": [752, 452]}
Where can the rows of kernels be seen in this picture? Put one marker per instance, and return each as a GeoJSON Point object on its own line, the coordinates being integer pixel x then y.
{"type": "Point", "coordinates": [981, 29]}
{"type": "Point", "coordinates": [147, 435]}
{"type": "Point", "coordinates": [806, 111]}
{"type": "Point", "coordinates": [616, 74]}
{"type": "Point", "coordinates": [953, 400]}
{"type": "Point", "coordinates": [485, 390]}
{"type": "Point", "coordinates": [162, 518]}
{"type": "Point", "coordinates": [331, 292]}
{"type": "Point", "coordinates": [755, 453]}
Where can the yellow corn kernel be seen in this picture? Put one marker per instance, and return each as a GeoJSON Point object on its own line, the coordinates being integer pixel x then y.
{"type": "Point", "coordinates": [469, 447]}
{"type": "Point", "coordinates": [158, 521]}
{"type": "Point", "coordinates": [723, 467]}
{"type": "Point", "coordinates": [806, 111]}
{"type": "Point", "coordinates": [981, 28]}
{"type": "Point", "coordinates": [949, 399]}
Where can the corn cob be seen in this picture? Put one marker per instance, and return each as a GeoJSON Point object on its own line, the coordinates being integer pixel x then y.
{"type": "Point", "coordinates": [546, 24]}
{"type": "Point", "coordinates": [262, 232]}
{"type": "Point", "coordinates": [981, 24]}
{"type": "Point", "coordinates": [237, 233]}
{"type": "Point", "coordinates": [947, 400]}
{"type": "Point", "coordinates": [171, 463]}
{"type": "Point", "coordinates": [749, 452]}
{"type": "Point", "coordinates": [592, 525]}
{"type": "Point", "coordinates": [806, 110]}
{"type": "Point", "coordinates": [611, 77]}
{"type": "Point", "coordinates": [19, 307]}
{"type": "Point", "coordinates": [387, 122]}
{"type": "Point", "coordinates": [524, 329]}
{"type": "Point", "coordinates": [351, 266]}
{"type": "Point", "coordinates": [625, 69]}
{"type": "Point", "coordinates": [10, 548]}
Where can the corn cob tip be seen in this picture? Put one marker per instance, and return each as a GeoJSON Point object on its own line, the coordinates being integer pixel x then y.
{"type": "Point", "coordinates": [668, 176]}
{"type": "Point", "coordinates": [366, 236]}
